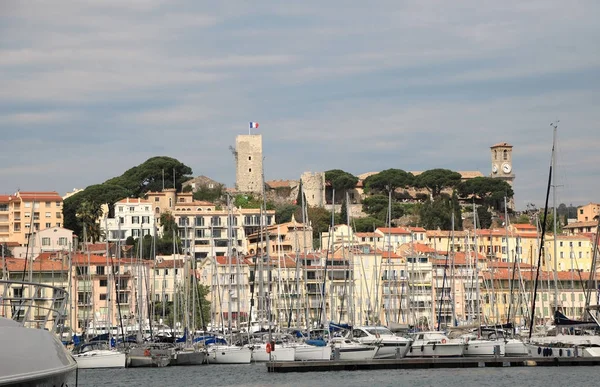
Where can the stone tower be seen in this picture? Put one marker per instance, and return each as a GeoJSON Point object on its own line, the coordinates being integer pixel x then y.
{"type": "Point", "coordinates": [313, 185]}
{"type": "Point", "coordinates": [249, 163]}
{"type": "Point", "coordinates": [502, 167]}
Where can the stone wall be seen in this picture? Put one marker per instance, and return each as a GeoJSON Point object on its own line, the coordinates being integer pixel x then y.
{"type": "Point", "coordinates": [313, 184]}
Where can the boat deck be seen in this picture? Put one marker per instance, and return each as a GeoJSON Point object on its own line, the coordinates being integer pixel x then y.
{"type": "Point", "coordinates": [415, 363]}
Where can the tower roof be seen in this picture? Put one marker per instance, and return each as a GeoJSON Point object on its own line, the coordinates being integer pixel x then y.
{"type": "Point", "coordinates": [501, 144]}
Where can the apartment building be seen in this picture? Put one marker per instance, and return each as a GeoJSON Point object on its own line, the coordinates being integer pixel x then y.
{"type": "Point", "coordinates": [588, 212]}
{"type": "Point", "coordinates": [47, 240]}
{"type": "Point", "coordinates": [25, 213]}
{"type": "Point", "coordinates": [283, 238]}
{"type": "Point", "coordinates": [134, 217]}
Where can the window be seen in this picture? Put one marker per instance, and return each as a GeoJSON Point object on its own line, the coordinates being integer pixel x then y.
{"type": "Point", "coordinates": [103, 283]}
{"type": "Point", "coordinates": [131, 209]}
{"type": "Point", "coordinates": [62, 241]}
{"type": "Point", "coordinates": [82, 270]}
{"type": "Point", "coordinates": [505, 154]}
{"type": "Point", "coordinates": [28, 214]}
{"type": "Point", "coordinates": [581, 211]}
{"type": "Point", "coordinates": [199, 221]}
{"type": "Point", "coordinates": [100, 270]}
{"type": "Point", "coordinates": [157, 210]}
{"type": "Point", "coordinates": [58, 224]}
{"type": "Point", "coordinates": [48, 225]}
{"type": "Point", "coordinates": [170, 202]}
{"type": "Point", "coordinates": [46, 241]}
{"type": "Point", "coordinates": [48, 214]}
{"type": "Point", "coordinates": [57, 204]}
{"type": "Point", "coordinates": [121, 220]}
{"type": "Point", "coordinates": [145, 219]}
{"type": "Point", "coordinates": [120, 208]}
{"type": "Point", "coordinates": [135, 233]}
{"type": "Point", "coordinates": [562, 254]}
{"type": "Point", "coordinates": [135, 219]}
{"type": "Point", "coordinates": [579, 244]}
{"type": "Point", "coordinates": [58, 215]}
{"type": "Point", "coordinates": [176, 271]}
{"type": "Point", "coordinates": [27, 204]}
{"type": "Point", "coordinates": [560, 244]}
{"type": "Point", "coordinates": [156, 199]}
{"type": "Point", "coordinates": [166, 271]}
{"type": "Point", "coordinates": [249, 169]}
{"type": "Point", "coordinates": [48, 204]}
{"type": "Point", "coordinates": [146, 208]}
{"type": "Point", "coordinates": [580, 254]}
{"type": "Point", "coordinates": [103, 297]}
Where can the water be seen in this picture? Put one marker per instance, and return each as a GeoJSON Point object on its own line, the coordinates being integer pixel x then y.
{"type": "Point", "coordinates": [257, 375]}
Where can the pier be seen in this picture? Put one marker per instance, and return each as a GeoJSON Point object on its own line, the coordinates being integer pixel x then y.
{"type": "Point", "coordinates": [421, 363]}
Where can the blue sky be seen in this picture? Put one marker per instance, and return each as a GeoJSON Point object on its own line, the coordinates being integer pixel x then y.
{"type": "Point", "coordinates": [91, 88]}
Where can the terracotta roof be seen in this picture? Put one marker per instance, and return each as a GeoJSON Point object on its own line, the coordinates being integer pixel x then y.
{"type": "Point", "coordinates": [529, 275]}
{"type": "Point", "coordinates": [133, 201]}
{"type": "Point", "coordinates": [501, 144]}
{"type": "Point", "coordinates": [7, 198]}
{"type": "Point", "coordinates": [223, 260]}
{"type": "Point", "coordinates": [507, 265]}
{"type": "Point", "coordinates": [460, 259]}
{"type": "Point", "coordinates": [195, 203]}
{"type": "Point", "coordinates": [387, 254]}
{"type": "Point", "coordinates": [367, 235]}
{"type": "Point", "coordinates": [393, 230]}
{"type": "Point", "coordinates": [39, 265]}
{"type": "Point", "coordinates": [168, 264]}
{"type": "Point", "coordinates": [40, 196]}
{"type": "Point", "coordinates": [592, 223]}
{"type": "Point", "coordinates": [445, 233]}
{"type": "Point", "coordinates": [417, 229]}
{"type": "Point", "coordinates": [524, 226]}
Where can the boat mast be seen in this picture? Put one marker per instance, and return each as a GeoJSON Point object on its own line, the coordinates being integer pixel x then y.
{"type": "Point", "coordinates": [555, 253]}
{"type": "Point", "coordinates": [305, 275]}
{"type": "Point", "coordinates": [476, 257]}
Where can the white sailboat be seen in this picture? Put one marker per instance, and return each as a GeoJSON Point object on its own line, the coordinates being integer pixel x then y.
{"type": "Point", "coordinates": [390, 345]}
{"type": "Point", "coordinates": [435, 344]}
{"type": "Point", "coordinates": [98, 355]}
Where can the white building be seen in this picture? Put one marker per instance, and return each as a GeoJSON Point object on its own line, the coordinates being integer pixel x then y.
{"type": "Point", "coordinates": [47, 240]}
{"type": "Point", "coordinates": [134, 217]}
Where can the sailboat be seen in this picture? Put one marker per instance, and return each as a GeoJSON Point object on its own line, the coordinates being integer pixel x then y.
{"type": "Point", "coordinates": [100, 354]}
{"type": "Point", "coordinates": [561, 345]}
{"type": "Point", "coordinates": [221, 351]}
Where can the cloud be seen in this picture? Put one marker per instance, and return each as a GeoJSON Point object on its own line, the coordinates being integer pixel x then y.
{"type": "Point", "coordinates": [96, 87]}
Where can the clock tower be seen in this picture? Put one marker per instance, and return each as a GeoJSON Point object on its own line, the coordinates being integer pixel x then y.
{"type": "Point", "coordinates": [502, 167]}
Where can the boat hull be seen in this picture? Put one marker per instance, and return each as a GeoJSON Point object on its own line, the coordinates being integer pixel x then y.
{"type": "Point", "coordinates": [259, 354]}
{"type": "Point", "coordinates": [100, 359]}
{"type": "Point", "coordinates": [485, 348]}
{"type": "Point", "coordinates": [305, 352]}
{"type": "Point", "coordinates": [229, 355]}
{"type": "Point", "coordinates": [392, 350]}
{"type": "Point", "coordinates": [355, 353]}
{"type": "Point", "coordinates": [437, 350]}
{"type": "Point", "coordinates": [515, 347]}
{"type": "Point", "coordinates": [181, 358]}
{"type": "Point", "coordinates": [546, 351]}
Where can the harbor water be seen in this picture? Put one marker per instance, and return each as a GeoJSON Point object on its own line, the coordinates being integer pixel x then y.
{"type": "Point", "coordinates": [257, 375]}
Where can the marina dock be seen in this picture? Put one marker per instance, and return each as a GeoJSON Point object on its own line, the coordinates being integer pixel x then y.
{"type": "Point", "coordinates": [421, 363]}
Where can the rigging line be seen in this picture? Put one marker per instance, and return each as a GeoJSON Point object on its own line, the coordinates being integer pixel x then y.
{"type": "Point", "coordinates": [448, 249]}
{"type": "Point", "coordinates": [541, 248]}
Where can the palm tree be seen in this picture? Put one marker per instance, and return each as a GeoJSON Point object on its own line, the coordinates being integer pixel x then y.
{"type": "Point", "coordinates": [89, 213]}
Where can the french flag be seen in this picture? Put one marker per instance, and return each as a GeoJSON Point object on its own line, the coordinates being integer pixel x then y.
{"type": "Point", "coordinates": [254, 125]}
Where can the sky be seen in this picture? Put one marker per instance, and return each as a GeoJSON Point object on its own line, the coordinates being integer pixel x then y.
{"type": "Point", "coordinates": [91, 88]}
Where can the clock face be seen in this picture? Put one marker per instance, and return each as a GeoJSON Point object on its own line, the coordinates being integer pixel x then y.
{"type": "Point", "coordinates": [494, 168]}
{"type": "Point", "coordinates": [506, 168]}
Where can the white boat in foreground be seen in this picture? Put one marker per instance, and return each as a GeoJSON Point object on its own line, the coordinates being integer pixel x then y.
{"type": "Point", "coordinates": [435, 344]}
{"type": "Point", "coordinates": [348, 349]}
{"type": "Point", "coordinates": [307, 352]}
{"type": "Point", "coordinates": [280, 353]}
{"type": "Point", "coordinates": [98, 355]}
{"type": "Point", "coordinates": [31, 355]}
{"type": "Point", "coordinates": [479, 347]}
{"type": "Point", "coordinates": [229, 354]}
{"type": "Point", "coordinates": [390, 345]}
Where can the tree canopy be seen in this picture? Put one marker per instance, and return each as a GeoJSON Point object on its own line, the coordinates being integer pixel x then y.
{"type": "Point", "coordinates": [148, 176]}
{"type": "Point", "coordinates": [489, 190]}
{"type": "Point", "coordinates": [390, 179]}
{"type": "Point", "coordinates": [88, 213]}
{"type": "Point", "coordinates": [436, 180]}
{"type": "Point", "coordinates": [340, 180]}
{"type": "Point", "coordinates": [377, 207]}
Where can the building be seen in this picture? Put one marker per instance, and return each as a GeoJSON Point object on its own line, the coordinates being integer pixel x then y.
{"type": "Point", "coordinates": [576, 228]}
{"type": "Point", "coordinates": [204, 228]}
{"type": "Point", "coordinates": [23, 213]}
{"type": "Point", "coordinates": [168, 277]}
{"type": "Point", "coordinates": [249, 164]}
{"type": "Point", "coordinates": [47, 240]}
{"type": "Point", "coordinates": [502, 167]}
{"type": "Point", "coordinates": [588, 212]}
{"type": "Point", "coordinates": [134, 217]}
{"type": "Point", "coordinates": [284, 239]}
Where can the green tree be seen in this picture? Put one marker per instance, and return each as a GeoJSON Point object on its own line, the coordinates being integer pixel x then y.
{"type": "Point", "coordinates": [488, 190]}
{"type": "Point", "coordinates": [436, 213]}
{"type": "Point", "coordinates": [340, 180]}
{"type": "Point", "coordinates": [484, 217]}
{"type": "Point", "coordinates": [5, 251]}
{"type": "Point", "coordinates": [550, 222]}
{"type": "Point", "coordinates": [523, 219]}
{"type": "Point", "coordinates": [367, 224]}
{"type": "Point", "coordinates": [100, 193]}
{"type": "Point", "coordinates": [202, 307]}
{"type": "Point", "coordinates": [344, 212]}
{"type": "Point", "coordinates": [284, 213]}
{"type": "Point", "coordinates": [389, 179]}
{"type": "Point", "coordinates": [89, 214]}
{"type": "Point", "coordinates": [436, 180]}
{"type": "Point", "coordinates": [377, 207]}
{"type": "Point", "coordinates": [214, 194]}
{"type": "Point", "coordinates": [148, 176]}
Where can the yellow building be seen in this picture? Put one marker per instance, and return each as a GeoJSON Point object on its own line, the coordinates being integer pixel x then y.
{"type": "Point", "coordinates": [588, 212]}
{"type": "Point", "coordinates": [24, 213]}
